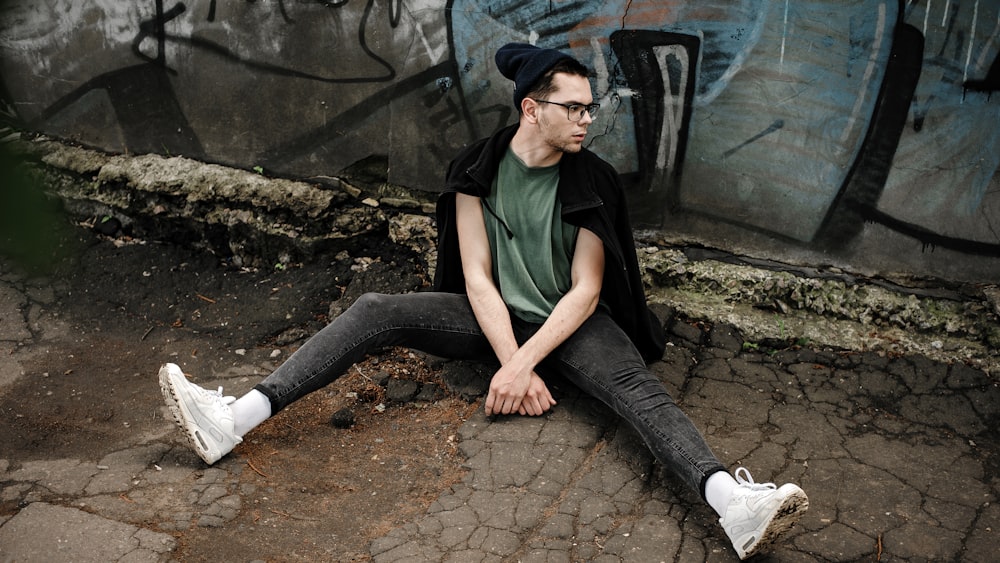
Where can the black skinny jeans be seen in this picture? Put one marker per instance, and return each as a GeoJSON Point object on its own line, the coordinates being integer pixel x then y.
{"type": "Point", "coordinates": [599, 358]}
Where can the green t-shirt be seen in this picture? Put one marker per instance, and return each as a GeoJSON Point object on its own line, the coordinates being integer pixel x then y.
{"type": "Point", "coordinates": [532, 247]}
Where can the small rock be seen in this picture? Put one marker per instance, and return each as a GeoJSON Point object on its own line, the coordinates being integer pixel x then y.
{"type": "Point", "coordinates": [401, 390]}
{"type": "Point", "coordinates": [108, 226]}
{"type": "Point", "coordinates": [430, 392]}
{"type": "Point", "coordinates": [344, 418]}
{"type": "Point", "coordinates": [469, 380]}
{"type": "Point", "coordinates": [382, 378]}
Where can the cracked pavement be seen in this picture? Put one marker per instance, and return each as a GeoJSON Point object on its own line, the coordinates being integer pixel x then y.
{"type": "Point", "coordinates": [899, 455]}
{"type": "Point", "coordinates": [886, 449]}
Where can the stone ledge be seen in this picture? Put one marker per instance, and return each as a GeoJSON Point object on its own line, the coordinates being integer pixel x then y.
{"type": "Point", "coordinates": [842, 311]}
{"type": "Point", "coordinates": [239, 215]}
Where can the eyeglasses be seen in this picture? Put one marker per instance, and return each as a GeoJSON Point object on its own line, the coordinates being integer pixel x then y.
{"type": "Point", "coordinates": [574, 112]}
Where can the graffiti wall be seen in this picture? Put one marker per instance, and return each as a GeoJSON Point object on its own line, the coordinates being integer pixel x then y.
{"type": "Point", "coordinates": [857, 133]}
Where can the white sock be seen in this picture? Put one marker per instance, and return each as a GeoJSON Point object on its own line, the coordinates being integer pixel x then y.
{"type": "Point", "coordinates": [719, 491]}
{"type": "Point", "coordinates": [249, 411]}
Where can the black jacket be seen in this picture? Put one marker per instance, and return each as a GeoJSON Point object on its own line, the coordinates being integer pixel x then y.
{"type": "Point", "coordinates": [592, 198]}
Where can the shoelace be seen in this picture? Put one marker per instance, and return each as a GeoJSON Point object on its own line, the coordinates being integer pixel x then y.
{"type": "Point", "coordinates": [742, 475]}
{"type": "Point", "coordinates": [224, 400]}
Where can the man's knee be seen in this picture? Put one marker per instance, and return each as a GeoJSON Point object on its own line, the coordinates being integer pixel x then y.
{"type": "Point", "coordinates": [370, 302]}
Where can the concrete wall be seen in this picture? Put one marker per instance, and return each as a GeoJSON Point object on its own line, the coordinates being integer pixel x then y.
{"type": "Point", "coordinates": [859, 134]}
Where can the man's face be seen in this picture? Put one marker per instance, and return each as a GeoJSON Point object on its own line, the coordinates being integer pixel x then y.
{"type": "Point", "coordinates": [557, 130]}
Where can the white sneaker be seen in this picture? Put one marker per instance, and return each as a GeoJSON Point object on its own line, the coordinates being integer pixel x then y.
{"type": "Point", "coordinates": [203, 415]}
{"type": "Point", "coordinates": [759, 513]}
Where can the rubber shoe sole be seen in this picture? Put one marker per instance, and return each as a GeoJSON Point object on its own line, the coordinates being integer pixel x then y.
{"type": "Point", "coordinates": [792, 507]}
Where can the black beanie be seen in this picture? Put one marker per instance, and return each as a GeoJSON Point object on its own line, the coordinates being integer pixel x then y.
{"type": "Point", "coordinates": [525, 64]}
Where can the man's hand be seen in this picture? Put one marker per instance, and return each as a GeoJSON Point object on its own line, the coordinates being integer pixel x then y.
{"type": "Point", "coordinates": [538, 400]}
{"type": "Point", "coordinates": [512, 392]}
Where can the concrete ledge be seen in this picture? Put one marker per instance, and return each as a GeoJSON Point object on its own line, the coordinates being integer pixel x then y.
{"type": "Point", "coordinates": [830, 308]}
{"type": "Point", "coordinates": [240, 215]}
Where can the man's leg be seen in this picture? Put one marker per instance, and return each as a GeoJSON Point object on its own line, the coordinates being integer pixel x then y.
{"type": "Point", "coordinates": [437, 323]}
{"type": "Point", "coordinates": [602, 361]}
{"type": "Point", "coordinates": [441, 324]}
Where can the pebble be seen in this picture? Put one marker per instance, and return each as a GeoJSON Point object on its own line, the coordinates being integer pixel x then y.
{"type": "Point", "coordinates": [344, 418]}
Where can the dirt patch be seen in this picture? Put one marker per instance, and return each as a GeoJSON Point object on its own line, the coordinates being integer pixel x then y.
{"type": "Point", "coordinates": [312, 491]}
{"type": "Point", "coordinates": [312, 488]}
{"type": "Point", "coordinates": [315, 493]}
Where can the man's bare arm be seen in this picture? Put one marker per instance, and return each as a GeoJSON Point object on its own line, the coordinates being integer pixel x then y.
{"type": "Point", "coordinates": [477, 265]}
{"type": "Point", "coordinates": [525, 393]}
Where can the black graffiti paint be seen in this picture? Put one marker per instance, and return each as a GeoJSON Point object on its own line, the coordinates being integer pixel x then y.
{"type": "Point", "coordinates": [776, 126]}
{"type": "Point", "coordinates": [388, 70]}
{"type": "Point", "coordinates": [646, 74]}
{"type": "Point", "coordinates": [156, 28]}
{"type": "Point", "coordinates": [858, 197]}
{"type": "Point", "coordinates": [989, 84]}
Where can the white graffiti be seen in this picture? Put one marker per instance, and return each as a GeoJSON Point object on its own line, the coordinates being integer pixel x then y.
{"type": "Point", "coordinates": [673, 105]}
{"type": "Point", "coordinates": [38, 25]}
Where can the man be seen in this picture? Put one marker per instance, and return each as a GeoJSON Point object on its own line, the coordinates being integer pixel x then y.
{"type": "Point", "coordinates": [536, 269]}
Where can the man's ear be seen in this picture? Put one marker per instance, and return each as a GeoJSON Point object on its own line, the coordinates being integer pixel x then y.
{"type": "Point", "coordinates": [530, 109]}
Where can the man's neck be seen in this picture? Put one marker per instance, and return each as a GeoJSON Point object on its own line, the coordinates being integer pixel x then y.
{"type": "Point", "coordinates": [532, 150]}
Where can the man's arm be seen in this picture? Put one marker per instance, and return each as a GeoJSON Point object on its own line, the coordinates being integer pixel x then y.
{"type": "Point", "coordinates": [526, 393]}
{"type": "Point", "coordinates": [477, 266]}
{"type": "Point", "coordinates": [516, 387]}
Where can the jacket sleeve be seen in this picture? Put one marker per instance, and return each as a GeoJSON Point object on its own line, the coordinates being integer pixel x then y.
{"type": "Point", "coordinates": [633, 313]}
{"type": "Point", "coordinates": [647, 331]}
{"type": "Point", "coordinates": [623, 289]}
{"type": "Point", "coordinates": [448, 274]}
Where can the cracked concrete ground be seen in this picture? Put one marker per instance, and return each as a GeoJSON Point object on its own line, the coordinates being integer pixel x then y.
{"type": "Point", "coordinates": [898, 458]}
{"type": "Point", "coordinates": [899, 455]}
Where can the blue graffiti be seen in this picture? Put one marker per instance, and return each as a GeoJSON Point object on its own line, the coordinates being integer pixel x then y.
{"type": "Point", "coordinates": [806, 120]}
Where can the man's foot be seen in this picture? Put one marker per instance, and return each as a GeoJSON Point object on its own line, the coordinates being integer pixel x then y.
{"type": "Point", "coordinates": [203, 415]}
{"type": "Point", "coordinates": [760, 513]}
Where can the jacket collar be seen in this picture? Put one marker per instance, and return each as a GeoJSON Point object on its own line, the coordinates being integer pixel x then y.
{"type": "Point", "coordinates": [576, 189]}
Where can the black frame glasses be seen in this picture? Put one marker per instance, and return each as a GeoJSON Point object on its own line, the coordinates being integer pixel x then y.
{"type": "Point", "coordinates": [574, 110]}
